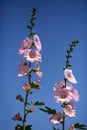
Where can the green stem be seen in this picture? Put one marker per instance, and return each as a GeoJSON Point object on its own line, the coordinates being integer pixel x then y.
{"type": "Point", "coordinates": [63, 124]}
{"type": "Point", "coordinates": [25, 114]}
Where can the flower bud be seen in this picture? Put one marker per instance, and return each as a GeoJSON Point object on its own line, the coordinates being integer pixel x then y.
{"type": "Point", "coordinates": [27, 87]}
{"type": "Point", "coordinates": [20, 98]}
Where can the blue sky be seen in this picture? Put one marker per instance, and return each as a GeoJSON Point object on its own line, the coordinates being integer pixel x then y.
{"type": "Point", "coordinates": [58, 23]}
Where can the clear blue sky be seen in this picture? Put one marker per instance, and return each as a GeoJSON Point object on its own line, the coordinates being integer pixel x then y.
{"type": "Point", "coordinates": [58, 23]}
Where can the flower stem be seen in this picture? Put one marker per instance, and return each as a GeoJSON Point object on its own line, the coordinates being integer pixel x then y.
{"type": "Point", "coordinates": [25, 114]}
{"type": "Point", "coordinates": [63, 123]}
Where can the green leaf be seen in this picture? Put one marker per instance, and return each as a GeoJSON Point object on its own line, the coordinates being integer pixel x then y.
{"type": "Point", "coordinates": [35, 86]}
{"type": "Point", "coordinates": [48, 110]}
{"type": "Point", "coordinates": [80, 126]}
{"type": "Point", "coordinates": [39, 103]}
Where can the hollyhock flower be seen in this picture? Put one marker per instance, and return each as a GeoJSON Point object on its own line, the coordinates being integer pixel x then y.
{"type": "Point", "coordinates": [69, 110]}
{"type": "Point", "coordinates": [23, 69]}
{"type": "Point", "coordinates": [69, 75]}
{"type": "Point", "coordinates": [27, 87]}
{"type": "Point", "coordinates": [20, 98]}
{"type": "Point", "coordinates": [38, 73]}
{"type": "Point", "coordinates": [61, 94]}
{"type": "Point", "coordinates": [72, 92]}
{"type": "Point", "coordinates": [26, 44]}
{"type": "Point", "coordinates": [17, 117]}
{"type": "Point", "coordinates": [33, 56]}
{"type": "Point", "coordinates": [37, 43]}
{"type": "Point", "coordinates": [56, 118]}
{"type": "Point", "coordinates": [72, 127]}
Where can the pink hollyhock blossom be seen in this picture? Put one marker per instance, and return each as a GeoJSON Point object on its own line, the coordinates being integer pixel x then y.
{"type": "Point", "coordinates": [26, 44]}
{"type": "Point", "coordinates": [33, 56]}
{"type": "Point", "coordinates": [37, 43]}
{"type": "Point", "coordinates": [17, 117]}
{"type": "Point", "coordinates": [56, 118]}
{"type": "Point", "coordinates": [27, 87]}
{"type": "Point", "coordinates": [65, 94]}
{"type": "Point", "coordinates": [69, 75]}
{"type": "Point", "coordinates": [72, 127]}
{"type": "Point", "coordinates": [23, 69]}
{"type": "Point", "coordinates": [61, 94]}
{"type": "Point", "coordinates": [73, 92]}
{"type": "Point", "coordinates": [39, 73]}
{"type": "Point", "coordinates": [69, 110]}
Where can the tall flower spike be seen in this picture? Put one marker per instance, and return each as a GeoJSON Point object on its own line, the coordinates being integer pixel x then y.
{"type": "Point", "coordinates": [30, 51]}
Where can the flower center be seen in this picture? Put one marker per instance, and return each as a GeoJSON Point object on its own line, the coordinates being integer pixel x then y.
{"type": "Point", "coordinates": [32, 55]}
{"type": "Point", "coordinates": [68, 111]}
{"type": "Point", "coordinates": [59, 118]}
{"type": "Point", "coordinates": [63, 96]}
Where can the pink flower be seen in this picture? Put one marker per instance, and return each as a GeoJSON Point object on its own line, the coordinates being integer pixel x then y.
{"type": "Point", "coordinates": [23, 69]}
{"type": "Point", "coordinates": [69, 75]}
{"type": "Point", "coordinates": [27, 87]}
{"type": "Point", "coordinates": [56, 118]}
{"type": "Point", "coordinates": [72, 127]}
{"type": "Point", "coordinates": [37, 43]}
{"type": "Point", "coordinates": [33, 56]}
{"type": "Point", "coordinates": [61, 94]}
{"type": "Point", "coordinates": [17, 117]}
{"type": "Point", "coordinates": [69, 110]}
{"type": "Point", "coordinates": [26, 44]}
{"type": "Point", "coordinates": [38, 73]}
{"type": "Point", "coordinates": [73, 93]}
